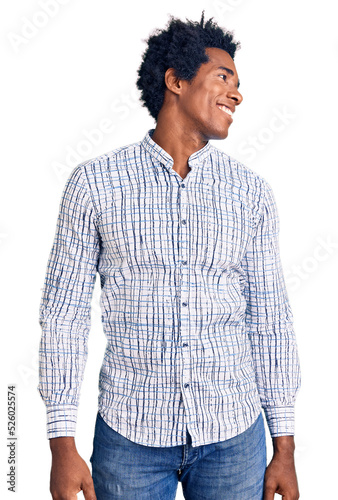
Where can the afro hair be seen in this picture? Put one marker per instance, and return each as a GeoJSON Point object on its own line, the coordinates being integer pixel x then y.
{"type": "Point", "coordinates": [180, 46]}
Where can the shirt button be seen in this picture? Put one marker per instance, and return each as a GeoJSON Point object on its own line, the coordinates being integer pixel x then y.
{"type": "Point", "coordinates": [186, 385]}
{"type": "Point", "coordinates": [184, 262]}
{"type": "Point", "coordinates": [184, 221]}
{"type": "Point", "coordinates": [184, 304]}
{"type": "Point", "coordinates": [182, 185]}
{"type": "Point", "coordinates": [185, 345]}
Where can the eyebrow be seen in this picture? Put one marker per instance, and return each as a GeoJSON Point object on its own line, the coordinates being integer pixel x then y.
{"type": "Point", "coordinates": [228, 70]}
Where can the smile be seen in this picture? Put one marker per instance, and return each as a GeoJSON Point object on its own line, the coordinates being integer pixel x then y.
{"type": "Point", "coordinates": [225, 109]}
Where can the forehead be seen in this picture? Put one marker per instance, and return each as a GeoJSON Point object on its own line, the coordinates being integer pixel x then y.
{"type": "Point", "coordinates": [217, 58]}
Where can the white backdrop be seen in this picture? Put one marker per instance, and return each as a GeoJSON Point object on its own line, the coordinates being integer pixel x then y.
{"type": "Point", "coordinates": [68, 94]}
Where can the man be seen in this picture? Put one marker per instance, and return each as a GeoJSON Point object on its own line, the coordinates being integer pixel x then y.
{"type": "Point", "coordinates": [194, 305]}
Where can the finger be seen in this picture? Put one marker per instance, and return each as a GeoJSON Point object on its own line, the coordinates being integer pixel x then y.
{"type": "Point", "coordinates": [89, 492]}
{"type": "Point", "coordinates": [269, 494]}
{"type": "Point", "coordinates": [57, 496]}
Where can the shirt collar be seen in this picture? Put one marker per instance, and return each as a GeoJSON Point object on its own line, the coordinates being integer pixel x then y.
{"type": "Point", "coordinates": [164, 158]}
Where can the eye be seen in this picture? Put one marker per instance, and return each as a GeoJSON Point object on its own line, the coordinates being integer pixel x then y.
{"type": "Point", "coordinates": [223, 76]}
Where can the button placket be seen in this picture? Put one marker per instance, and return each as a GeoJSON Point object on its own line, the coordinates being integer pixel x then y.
{"type": "Point", "coordinates": [184, 237]}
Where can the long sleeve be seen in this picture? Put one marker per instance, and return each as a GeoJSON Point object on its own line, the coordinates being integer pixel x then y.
{"type": "Point", "coordinates": [269, 323]}
{"type": "Point", "coordinates": [65, 306]}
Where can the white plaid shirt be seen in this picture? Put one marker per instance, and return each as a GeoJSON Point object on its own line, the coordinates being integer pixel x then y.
{"type": "Point", "coordinates": [193, 298]}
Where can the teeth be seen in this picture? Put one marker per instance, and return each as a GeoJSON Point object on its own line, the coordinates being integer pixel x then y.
{"type": "Point", "coordinates": [227, 110]}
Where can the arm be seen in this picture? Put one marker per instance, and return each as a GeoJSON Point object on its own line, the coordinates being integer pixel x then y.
{"type": "Point", "coordinates": [269, 324]}
{"type": "Point", "coordinates": [65, 323]}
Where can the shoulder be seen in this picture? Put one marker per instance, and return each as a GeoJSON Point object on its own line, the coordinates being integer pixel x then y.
{"type": "Point", "coordinates": [98, 171]}
{"type": "Point", "coordinates": [92, 178]}
{"type": "Point", "coordinates": [104, 162]}
{"type": "Point", "coordinates": [243, 179]}
{"type": "Point", "coordinates": [238, 169]}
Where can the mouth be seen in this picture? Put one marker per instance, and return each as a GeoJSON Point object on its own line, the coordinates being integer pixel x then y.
{"type": "Point", "coordinates": [225, 109]}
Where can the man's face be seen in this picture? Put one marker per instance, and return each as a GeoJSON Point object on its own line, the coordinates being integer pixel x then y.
{"type": "Point", "coordinates": [207, 103]}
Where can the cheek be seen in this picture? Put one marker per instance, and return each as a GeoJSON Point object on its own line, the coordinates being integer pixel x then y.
{"type": "Point", "coordinates": [207, 103]}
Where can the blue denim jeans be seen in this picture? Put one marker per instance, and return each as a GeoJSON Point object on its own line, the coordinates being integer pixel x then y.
{"type": "Point", "coordinates": [229, 470]}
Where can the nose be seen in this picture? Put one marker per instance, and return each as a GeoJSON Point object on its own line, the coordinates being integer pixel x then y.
{"type": "Point", "coordinates": [235, 95]}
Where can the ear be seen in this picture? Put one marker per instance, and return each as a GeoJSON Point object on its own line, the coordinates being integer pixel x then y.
{"type": "Point", "coordinates": [172, 82]}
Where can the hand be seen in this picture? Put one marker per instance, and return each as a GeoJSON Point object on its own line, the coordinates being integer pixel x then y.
{"type": "Point", "coordinates": [280, 476]}
{"type": "Point", "coordinates": [70, 473]}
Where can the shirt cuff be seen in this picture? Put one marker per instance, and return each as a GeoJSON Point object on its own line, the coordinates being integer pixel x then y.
{"type": "Point", "coordinates": [280, 420]}
{"type": "Point", "coordinates": [61, 420]}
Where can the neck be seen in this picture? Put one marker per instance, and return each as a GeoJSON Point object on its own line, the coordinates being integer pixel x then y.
{"type": "Point", "coordinates": [177, 141]}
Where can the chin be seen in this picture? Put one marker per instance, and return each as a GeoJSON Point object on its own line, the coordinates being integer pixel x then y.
{"type": "Point", "coordinates": [219, 136]}
{"type": "Point", "coordinates": [211, 133]}
{"type": "Point", "coordinates": [219, 133]}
